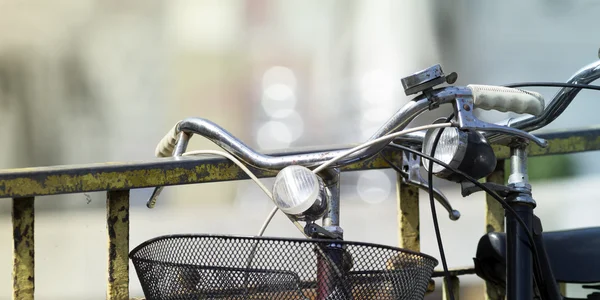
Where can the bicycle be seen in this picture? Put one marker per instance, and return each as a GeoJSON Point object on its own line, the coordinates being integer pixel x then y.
{"type": "Point", "coordinates": [524, 261]}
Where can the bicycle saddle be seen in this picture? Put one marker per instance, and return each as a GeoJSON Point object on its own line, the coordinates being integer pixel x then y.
{"type": "Point", "coordinates": [574, 255]}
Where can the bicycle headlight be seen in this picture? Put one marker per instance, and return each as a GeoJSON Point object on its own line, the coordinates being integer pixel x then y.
{"type": "Point", "coordinates": [299, 192]}
{"type": "Point", "coordinates": [467, 151]}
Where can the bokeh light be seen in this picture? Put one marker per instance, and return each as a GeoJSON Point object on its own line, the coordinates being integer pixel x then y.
{"type": "Point", "coordinates": [279, 75]}
{"type": "Point", "coordinates": [377, 86]}
{"type": "Point", "coordinates": [373, 186]}
{"type": "Point", "coordinates": [274, 135]}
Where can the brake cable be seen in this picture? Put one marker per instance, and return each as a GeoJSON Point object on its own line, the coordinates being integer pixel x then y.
{"type": "Point", "coordinates": [537, 269]}
{"type": "Point", "coordinates": [436, 225]}
{"type": "Point", "coordinates": [554, 84]}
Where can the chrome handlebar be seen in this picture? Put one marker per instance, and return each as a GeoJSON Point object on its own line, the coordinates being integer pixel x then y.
{"type": "Point", "coordinates": [461, 98]}
{"type": "Point", "coordinates": [397, 122]}
{"type": "Point", "coordinates": [227, 141]}
{"type": "Point", "coordinates": [557, 106]}
{"type": "Point", "coordinates": [562, 99]}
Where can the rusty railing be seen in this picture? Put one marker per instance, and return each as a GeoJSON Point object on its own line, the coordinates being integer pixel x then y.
{"type": "Point", "coordinates": [23, 185]}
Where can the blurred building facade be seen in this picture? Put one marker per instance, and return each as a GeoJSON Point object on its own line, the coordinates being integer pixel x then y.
{"type": "Point", "coordinates": [90, 81]}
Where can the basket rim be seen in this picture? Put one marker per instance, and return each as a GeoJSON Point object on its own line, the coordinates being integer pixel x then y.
{"type": "Point", "coordinates": [271, 238]}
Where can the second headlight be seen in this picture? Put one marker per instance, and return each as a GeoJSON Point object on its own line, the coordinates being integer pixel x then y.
{"type": "Point", "coordinates": [467, 151]}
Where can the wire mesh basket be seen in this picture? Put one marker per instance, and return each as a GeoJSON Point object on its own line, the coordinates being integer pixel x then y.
{"type": "Point", "coordinates": [235, 267]}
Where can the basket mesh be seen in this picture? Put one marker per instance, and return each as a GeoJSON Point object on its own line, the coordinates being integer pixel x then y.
{"type": "Point", "coordinates": [231, 267]}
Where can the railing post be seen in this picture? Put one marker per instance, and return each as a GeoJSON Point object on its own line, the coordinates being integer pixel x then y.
{"type": "Point", "coordinates": [494, 222]}
{"type": "Point", "coordinates": [409, 236]}
{"type": "Point", "coordinates": [117, 220]}
{"type": "Point", "coordinates": [408, 216]}
{"type": "Point", "coordinates": [455, 282]}
{"type": "Point", "coordinates": [23, 215]}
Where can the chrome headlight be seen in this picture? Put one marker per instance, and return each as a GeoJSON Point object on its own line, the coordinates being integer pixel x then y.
{"type": "Point", "coordinates": [467, 151]}
{"type": "Point", "coordinates": [299, 192]}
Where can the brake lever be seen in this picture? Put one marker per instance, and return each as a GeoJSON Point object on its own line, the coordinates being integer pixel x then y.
{"type": "Point", "coordinates": [426, 80]}
{"type": "Point", "coordinates": [411, 175]}
{"type": "Point", "coordinates": [467, 120]}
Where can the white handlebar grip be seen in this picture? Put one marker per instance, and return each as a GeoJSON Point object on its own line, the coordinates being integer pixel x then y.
{"type": "Point", "coordinates": [505, 99]}
{"type": "Point", "coordinates": [167, 144]}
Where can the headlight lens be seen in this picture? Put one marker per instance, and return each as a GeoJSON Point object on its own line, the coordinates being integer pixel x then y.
{"type": "Point", "coordinates": [450, 149]}
{"type": "Point", "coordinates": [300, 192]}
{"type": "Point", "coordinates": [467, 151]}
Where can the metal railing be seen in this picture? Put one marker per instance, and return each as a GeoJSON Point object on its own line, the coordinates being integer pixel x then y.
{"type": "Point", "coordinates": [22, 185]}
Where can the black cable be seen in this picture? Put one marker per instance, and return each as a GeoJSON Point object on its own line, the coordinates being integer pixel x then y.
{"type": "Point", "coordinates": [436, 225]}
{"type": "Point", "coordinates": [537, 272]}
{"type": "Point", "coordinates": [508, 208]}
{"type": "Point", "coordinates": [553, 84]}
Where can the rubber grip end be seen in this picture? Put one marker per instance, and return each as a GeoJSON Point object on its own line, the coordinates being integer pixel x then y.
{"type": "Point", "coordinates": [167, 144]}
{"type": "Point", "coordinates": [505, 99]}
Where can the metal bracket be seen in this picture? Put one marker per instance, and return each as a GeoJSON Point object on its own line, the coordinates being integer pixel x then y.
{"type": "Point", "coordinates": [315, 231]}
{"type": "Point", "coordinates": [468, 188]}
{"type": "Point", "coordinates": [467, 120]}
{"type": "Point", "coordinates": [411, 166]}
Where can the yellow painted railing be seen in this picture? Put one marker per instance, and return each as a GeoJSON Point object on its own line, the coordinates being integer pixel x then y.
{"type": "Point", "coordinates": [23, 185]}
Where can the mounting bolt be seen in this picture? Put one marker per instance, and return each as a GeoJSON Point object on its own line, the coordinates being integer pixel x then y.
{"type": "Point", "coordinates": [452, 77]}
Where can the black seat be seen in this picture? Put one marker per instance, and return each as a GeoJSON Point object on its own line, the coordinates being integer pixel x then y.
{"type": "Point", "coordinates": [574, 255]}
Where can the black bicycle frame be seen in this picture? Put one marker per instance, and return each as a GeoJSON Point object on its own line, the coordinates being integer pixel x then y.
{"type": "Point", "coordinates": [519, 254]}
{"type": "Point", "coordinates": [519, 267]}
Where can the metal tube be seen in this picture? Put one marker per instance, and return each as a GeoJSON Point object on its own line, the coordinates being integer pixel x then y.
{"type": "Point", "coordinates": [182, 143]}
{"type": "Point", "coordinates": [228, 142]}
{"type": "Point", "coordinates": [23, 248]}
{"type": "Point", "coordinates": [560, 102]}
{"type": "Point", "coordinates": [518, 166]}
{"type": "Point", "coordinates": [399, 121]}
{"type": "Point", "coordinates": [562, 99]}
{"type": "Point", "coordinates": [327, 277]}
{"type": "Point", "coordinates": [555, 108]}
{"type": "Point", "coordinates": [117, 221]}
{"type": "Point", "coordinates": [519, 267]}
{"type": "Point", "coordinates": [519, 259]}
{"type": "Point", "coordinates": [332, 183]}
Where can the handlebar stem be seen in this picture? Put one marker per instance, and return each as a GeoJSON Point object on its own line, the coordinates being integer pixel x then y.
{"type": "Point", "coordinates": [331, 220]}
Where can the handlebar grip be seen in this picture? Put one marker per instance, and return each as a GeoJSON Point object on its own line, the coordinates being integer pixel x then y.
{"type": "Point", "coordinates": [505, 99]}
{"type": "Point", "coordinates": [167, 144]}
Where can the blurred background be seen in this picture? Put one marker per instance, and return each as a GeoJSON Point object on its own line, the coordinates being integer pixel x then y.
{"type": "Point", "coordinates": [85, 81]}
